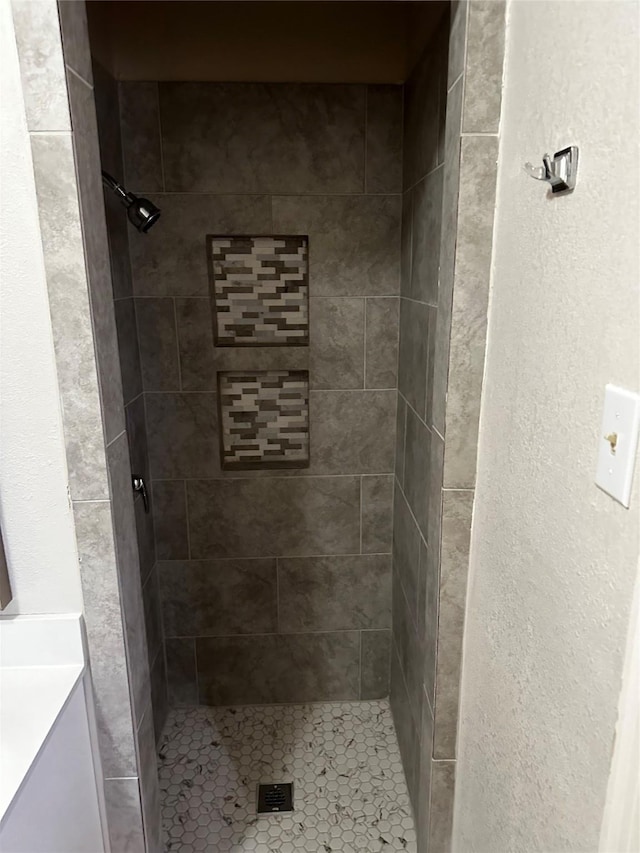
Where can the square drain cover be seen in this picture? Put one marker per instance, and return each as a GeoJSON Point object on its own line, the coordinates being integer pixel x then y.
{"type": "Point", "coordinates": [275, 798]}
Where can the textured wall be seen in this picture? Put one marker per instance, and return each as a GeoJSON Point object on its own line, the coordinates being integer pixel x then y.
{"type": "Point", "coordinates": [37, 522]}
{"type": "Point", "coordinates": [255, 567]}
{"type": "Point", "coordinates": [448, 211]}
{"type": "Point", "coordinates": [553, 557]}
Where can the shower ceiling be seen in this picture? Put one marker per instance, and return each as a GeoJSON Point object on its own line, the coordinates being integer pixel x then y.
{"type": "Point", "coordinates": [305, 42]}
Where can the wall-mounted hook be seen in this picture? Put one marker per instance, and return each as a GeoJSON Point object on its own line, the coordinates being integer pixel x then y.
{"type": "Point", "coordinates": [561, 171]}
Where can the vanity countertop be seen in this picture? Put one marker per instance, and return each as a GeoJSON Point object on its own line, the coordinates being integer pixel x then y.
{"type": "Point", "coordinates": [41, 661]}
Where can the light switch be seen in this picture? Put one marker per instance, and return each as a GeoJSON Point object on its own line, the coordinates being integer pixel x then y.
{"type": "Point", "coordinates": [618, 442]}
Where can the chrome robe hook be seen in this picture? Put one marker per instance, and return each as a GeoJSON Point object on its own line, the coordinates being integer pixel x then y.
{"type": "Point", "coordinates": [561, 171]}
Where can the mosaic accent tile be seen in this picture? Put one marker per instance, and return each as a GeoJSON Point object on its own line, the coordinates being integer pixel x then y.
{"type": "Point", "coordinates": [264, 418]}
{"type": "Point", "coordinates": [349, 791]}
{"type": "Point", "coordinates": [260, 289]}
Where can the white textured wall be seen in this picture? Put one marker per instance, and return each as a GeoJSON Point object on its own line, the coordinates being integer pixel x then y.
{"type": "Point", "coordinates": [553, 558]}
{"type": "Point", "coordinates": [37, 523]}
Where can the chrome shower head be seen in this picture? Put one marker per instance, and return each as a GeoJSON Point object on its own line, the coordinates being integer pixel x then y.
{"type": "Point", "coordinates": [142, 213]}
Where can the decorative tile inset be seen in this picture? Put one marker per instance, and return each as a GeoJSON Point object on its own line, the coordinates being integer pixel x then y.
{"type": "Point", "coordinates": [259, 288]}
{"type": "Point", "coordinates": [264, 418]}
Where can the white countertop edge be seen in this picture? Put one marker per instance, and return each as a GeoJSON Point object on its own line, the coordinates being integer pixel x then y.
{"type": "Point", "coordinates": [44, 640]}
{"type": "Point", "coordinates": [31, 701]}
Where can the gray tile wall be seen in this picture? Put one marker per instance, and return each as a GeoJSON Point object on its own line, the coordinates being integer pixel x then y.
{"type": "Point", "coordinates": [449, 176]}
{"type": "Point", "coordinates": [275, 586]}
{"type": "Point", "coordinates": [127, 323]}
{"type": "Point", "coordinates": [59, 97]}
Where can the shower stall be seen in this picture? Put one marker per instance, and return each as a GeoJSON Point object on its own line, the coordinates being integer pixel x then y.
{"type": "Point", "coordinates": [292, 275]}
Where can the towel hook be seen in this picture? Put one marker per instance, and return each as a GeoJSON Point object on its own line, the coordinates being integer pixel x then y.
{"type": "Point", "coordinates": [561, 171]}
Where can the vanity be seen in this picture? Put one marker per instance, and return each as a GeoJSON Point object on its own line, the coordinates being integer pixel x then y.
{"type": "Point", "coordinates": [51, 798]}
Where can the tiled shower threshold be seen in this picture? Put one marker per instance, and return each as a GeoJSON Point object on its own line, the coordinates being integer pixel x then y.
{"type": "Point", "coordinates": [342, 757]}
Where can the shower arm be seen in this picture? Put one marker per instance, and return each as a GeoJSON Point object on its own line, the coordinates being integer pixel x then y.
{"type": "Point", "coordinates": [119, 190]}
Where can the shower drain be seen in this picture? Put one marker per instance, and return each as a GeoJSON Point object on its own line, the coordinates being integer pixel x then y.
{"type": "Point", "coordinates": [275, 798]}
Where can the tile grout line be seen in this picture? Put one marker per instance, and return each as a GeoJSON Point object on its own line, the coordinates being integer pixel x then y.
{"type": "Point", "coordinates": [277, 595]}
{"type": "Point", "coordinates": [164, 183]}
{"type": "Point", "coordinates": [364, 345]}
{"type": "Point", "coordinates": [316, 633]}
{"type": "Point", "coordinates": [366, 138]}
{"type": "Point", "coordinates": [361, 514]}
{"type": "Point", "coordinates": [360, 666]}
{"type": "Point", "coordinates": [186, 512]}
{"type": "Point", "coordinates": [175, 327]}
{"type": "Point", "coordinates": [279, 557]}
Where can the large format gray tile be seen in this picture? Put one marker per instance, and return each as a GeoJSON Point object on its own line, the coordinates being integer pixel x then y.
{"type": "Point", "coordinates": [140, 127]}
{"type": "Point", "coordinates": [421, 117]}
{"type": "Point", "coordinates": [262, 137]}
{"type": "Point", "coordinates": [279, 668]}
{"type": "Point", "coordinates": [408, 735]}
{"type": "Point", "coordinates": [406, 545]}
{"type": "Point", "coordinates": [469, 312]}
{"type": "Point", "coordinates": [354, 241]}
{"type": "Point", "coordinates": [181, 671]}
{"type": "Point", "coordinates": [146, 539]}
{"type": "Point", "coordinates": [334, 593]}
{"type": "Point", "coordinates": [431, 359]}
{"type": "Point", "coordinates": [128, 348]}
{"type": "Point", "coordinates": [435, 491]}
{"type": "Point", "coordinates": [182, 435]}
{"type": "Point", "coordinates": [336, 342]}
{"type": "Point", "coordinates": [375, 663]}
{"type": "Point", "coordinates": [37, 33]}
{"type": "Point", "coordinates": [425, 247]}
{"type": "Point", "coordinates": [413, 353]}
{"type": "Point", "coordinates": [406, 238]}
{"type": "Point", "coordinates": [96, 252]}
{"type": "Point", "coordinates": [149, 787]}
{"type": "Point", "coordinates": [59, 215]}
{"type": "Point", "coordinates": [428, 615]}
{"type": "Point", "coordinates": [170, 519]}
{"type": "Point", "coordinates": [484, 62]}
{"type": "Point", "coordinates": [124, 815]}
{"type": "Point", "coordinates": [171, 260]}
{"type": "Point", "coordinates": [126, 542]}
{"type": "Point", "coordinates": [382, 335]}
{"type": "Point", "coordinates": [261, 358]}
{"type": "Point", "coordinates": [457, 40]}
{"type": "Point", "coordinates": [409, 647]}
{"type": "Point", "coordinates": [137, 434]}
{"type": "Point", "coordinates": [211, 598]}
{"type": "Point", "coordinates": [75, 37]}
{"type": "Point", "coordinates": [158, 345]}
{"type": "Point", "coordinates": [108, 115]}
{"type": "Point", "coordinates": [450, 190]}
{"type": "Point", "coordinates": [424, 779]}
{"type": "Point", "coordinates": [103, 617]}
{"type": "Point", "coordinates": [275, 517]}
{"type": "Point", "coordinates": [159, 694]}
{"type": "Point", "coordinates": [152, 616]}
{"type": "Point", "coordinates": [401, 424]}
{"type": "Point", "coordinates": [417, 469]}
{"type": "Point", "coordinates": [454, 565]}
{"type": "Point", "coordinates": [195, 343]}
{"type": "Point", "coordinates": [443, 778]}
{"type": "Point", "coordinates": [377, 513]}
{"type": "Point", "coordinates": [352, 431]}
{"type": "Point", "coordinates": [384, 139]}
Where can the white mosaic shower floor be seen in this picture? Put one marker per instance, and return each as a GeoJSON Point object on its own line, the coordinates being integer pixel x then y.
{"type": "Point", "coordinates": [349, 789]}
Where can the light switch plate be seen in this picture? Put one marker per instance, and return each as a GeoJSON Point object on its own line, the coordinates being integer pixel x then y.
{"type": "Point", "coordinates": [618, 442]}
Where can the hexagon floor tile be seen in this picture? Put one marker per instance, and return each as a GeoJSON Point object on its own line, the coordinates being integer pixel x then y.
{"type": "Point", "coordinates": [349, 788]}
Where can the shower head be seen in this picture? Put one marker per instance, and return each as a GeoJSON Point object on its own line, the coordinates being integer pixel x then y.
{"type": "Point", "coordinates": [142, 213]}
